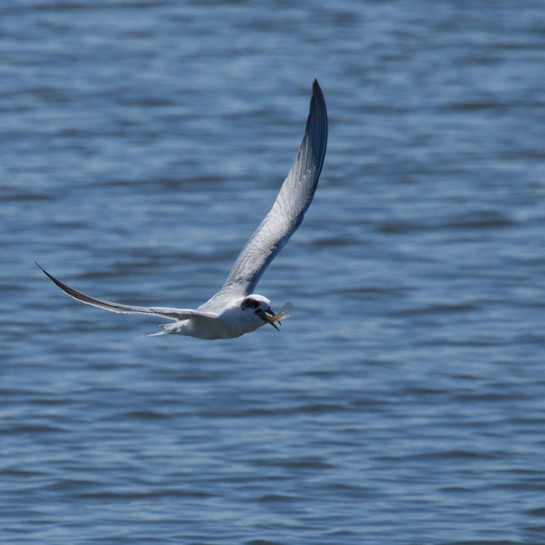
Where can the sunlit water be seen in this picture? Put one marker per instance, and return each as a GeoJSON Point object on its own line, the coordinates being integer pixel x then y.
{"type": "Point", "coordinates": [404, 401]}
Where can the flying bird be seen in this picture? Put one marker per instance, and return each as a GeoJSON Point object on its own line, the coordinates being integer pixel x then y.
{"type": "Point", "coordinates": [236, 309]}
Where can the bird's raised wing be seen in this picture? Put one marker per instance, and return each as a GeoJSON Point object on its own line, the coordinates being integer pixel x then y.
{"type": "Point", "coordinates": [165, 312]}
{"type": "Point", "coordinates": [289, 208]}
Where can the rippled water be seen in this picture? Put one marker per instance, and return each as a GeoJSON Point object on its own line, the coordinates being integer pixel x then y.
{"type": "Point", "coordinates": [403, 403]}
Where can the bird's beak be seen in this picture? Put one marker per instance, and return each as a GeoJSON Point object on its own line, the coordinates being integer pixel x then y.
{"type": "Point", "coordinates": [270, 317]}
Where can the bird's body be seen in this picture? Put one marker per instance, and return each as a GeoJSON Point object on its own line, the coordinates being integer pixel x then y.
{"type": "Point", "coordinates": [230, 321]}
{"type": "Point", "coordinates": [236, 309]}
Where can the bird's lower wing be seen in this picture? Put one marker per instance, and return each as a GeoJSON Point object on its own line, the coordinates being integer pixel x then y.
{"type": "Point", "coordinates": [165, 312]}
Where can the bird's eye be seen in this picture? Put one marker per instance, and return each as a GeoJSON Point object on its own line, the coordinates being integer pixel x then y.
{"type": "Point", "coordinates": [251, 303]}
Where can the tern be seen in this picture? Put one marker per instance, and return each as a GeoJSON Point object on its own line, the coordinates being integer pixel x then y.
{"type": "Point", "coordinates": [236, 309]}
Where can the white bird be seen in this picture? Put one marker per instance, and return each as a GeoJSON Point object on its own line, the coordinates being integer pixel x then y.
{"type": "Point", "coordinates": [236, 309]}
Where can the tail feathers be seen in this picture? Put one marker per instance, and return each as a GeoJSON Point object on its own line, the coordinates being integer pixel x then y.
{"type": "Point", "coordinates": [167, 328]}
{"type": "Point", "coordinates": [158, 333]}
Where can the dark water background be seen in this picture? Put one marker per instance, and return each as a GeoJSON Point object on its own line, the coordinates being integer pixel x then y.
{"type": "Point", "coordinates": [404, 403]}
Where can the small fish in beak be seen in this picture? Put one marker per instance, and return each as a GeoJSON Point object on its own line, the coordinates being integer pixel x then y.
{"type": "Point", "coordinates": [270, 317]}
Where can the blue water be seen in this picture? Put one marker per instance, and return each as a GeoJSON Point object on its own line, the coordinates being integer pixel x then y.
{"type": "Point", "coordinates": [403, 403]}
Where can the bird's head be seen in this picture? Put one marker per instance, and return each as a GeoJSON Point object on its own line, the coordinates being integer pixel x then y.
{"type": "Point", "coordinates": [260, 306]}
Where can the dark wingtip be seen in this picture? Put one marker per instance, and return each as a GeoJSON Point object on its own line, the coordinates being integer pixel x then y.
{"type": "Point", "coordinates": [317, 93]}
{"type": "Point", "coordinates": [67, 289]}
{"type": "Point", "coordinates": [41, 268]}
{"type": "Point", "coordinates": [52, 278]}
{"type": "Point", "coordinates": [317, 125]}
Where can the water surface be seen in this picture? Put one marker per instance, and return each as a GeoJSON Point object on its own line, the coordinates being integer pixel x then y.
{"type": "Point", "coordinates": [403, 403]}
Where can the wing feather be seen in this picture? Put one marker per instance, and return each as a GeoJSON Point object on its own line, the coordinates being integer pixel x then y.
{"type": "Point", "coordinates": [165, 312]}
{"type": "Point", "coordinates": [289, 207]}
